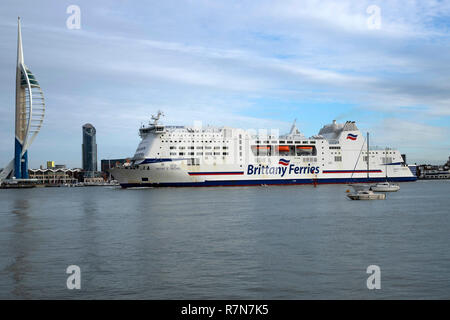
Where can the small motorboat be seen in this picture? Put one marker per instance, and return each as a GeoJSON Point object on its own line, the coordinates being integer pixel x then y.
{"type": "Point", "coordinates": [366, 195]}
{"type": "Point", "coordinates": [385, 187]}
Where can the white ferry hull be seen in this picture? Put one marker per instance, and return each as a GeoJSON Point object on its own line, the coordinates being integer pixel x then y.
{"type": "Point", "coordinates": [170, 175]}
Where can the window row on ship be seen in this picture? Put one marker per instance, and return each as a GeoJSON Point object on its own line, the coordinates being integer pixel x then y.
{"type": "Point", "coordinates": [376, 152]}
{"type": "Point", "coordinates": [195, 141]}
{"type": "Point", "coordinates": [198, 147]}
{"type": "Point", "coordinates": [198, 153]}
{"type": "Point", "coordinates": [257, 151]}
{"type": "Point", "coordinates": [286, 142]}
{"type": "Point", "coordinates": [221, 140]}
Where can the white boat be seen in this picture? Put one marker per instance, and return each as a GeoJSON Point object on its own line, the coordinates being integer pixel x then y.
{"type": "Point", "coordinates": [385, 187]}
{"type": "Point", "coordinates": [180, 156]}
{"type": "Point", "coordinates": [366, 195]}
{"type": "Point", "coordinates": [366, 192]}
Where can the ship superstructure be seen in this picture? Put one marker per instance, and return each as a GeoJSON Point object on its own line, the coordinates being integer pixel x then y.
{"type": "Point", "coordinates": [213, 156]}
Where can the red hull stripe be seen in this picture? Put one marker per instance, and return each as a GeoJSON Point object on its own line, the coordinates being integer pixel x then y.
{"type": "Point", "coordinates": [351, 171]}
{"type": "Point", "coordinates": [216, 173]}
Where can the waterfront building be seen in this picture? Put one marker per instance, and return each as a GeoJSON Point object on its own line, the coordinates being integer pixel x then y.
{"type": "Point", "coordinates": [55, 177]}
{"type": "Point", "coordinates": [427, 171]}
{"type": "Point", "coordinates": [30, 110]}
{"type": "Point", "coordinates": [106, 164]}
{"type": "Point", "coordinates": [89, 150]}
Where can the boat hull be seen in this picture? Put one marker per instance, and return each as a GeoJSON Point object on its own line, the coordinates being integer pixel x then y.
{"type": "Point", "coordinates": [133, 178]}
{"type": "Point", "coordinates": [373, 196]}
{"type": "Point", "coordinates": [386, 189]}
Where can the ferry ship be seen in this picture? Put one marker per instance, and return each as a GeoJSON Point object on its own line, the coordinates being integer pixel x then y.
{"type": "Point", "coordinates": [181, 156]}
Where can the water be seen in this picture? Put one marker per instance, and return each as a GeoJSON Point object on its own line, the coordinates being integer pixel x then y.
{"type": "Point", "coordinates": [287, 242]}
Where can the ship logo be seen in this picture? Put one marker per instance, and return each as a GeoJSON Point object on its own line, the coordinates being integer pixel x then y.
{"type": "Point", "coordinates": [352, 136]}
{"type": "Point", "coordinates": [284, 162]}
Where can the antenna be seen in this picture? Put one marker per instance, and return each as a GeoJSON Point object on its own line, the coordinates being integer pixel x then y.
{"type": "Point", "coordinates": [157, 117]}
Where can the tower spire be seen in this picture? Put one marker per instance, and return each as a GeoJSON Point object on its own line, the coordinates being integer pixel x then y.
{"type": "Point", "coordinates": [19, 43]}
{"type": "Point", "coordinates": [30, 110]}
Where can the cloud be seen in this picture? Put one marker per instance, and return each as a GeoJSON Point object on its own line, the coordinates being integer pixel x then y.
{"type": "Point", "coordinates": [424, 143]}
{"type": "Point", "coordinates": [237, 63]}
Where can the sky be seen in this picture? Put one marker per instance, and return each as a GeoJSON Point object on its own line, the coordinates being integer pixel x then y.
{"type": "Point", "coordinates": [246, 64]}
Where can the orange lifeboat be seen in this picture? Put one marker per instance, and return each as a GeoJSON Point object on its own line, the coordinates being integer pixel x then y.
{"type": "Point", "coordinates": [283, 148]}
{"type": "Point", "coordinates": [304, 148]}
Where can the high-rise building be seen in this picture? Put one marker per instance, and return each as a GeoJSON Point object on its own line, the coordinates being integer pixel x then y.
{"type": "Point", "coordinates": [89, 150]}
{"type": "Point", "coordinates": [30, 110]}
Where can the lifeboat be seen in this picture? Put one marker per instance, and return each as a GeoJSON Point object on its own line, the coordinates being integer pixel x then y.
{"type": "Point", "coordinates": [303, 149]}
{"type": "Point", "coordinates": [283, 148]}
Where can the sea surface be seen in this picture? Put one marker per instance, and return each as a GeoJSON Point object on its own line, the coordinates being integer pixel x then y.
{"type": "Point", "coordinates": [277, 242]}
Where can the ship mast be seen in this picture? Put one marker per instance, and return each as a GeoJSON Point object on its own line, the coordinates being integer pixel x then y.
{"type": "Point", "coordinates": [368, 157]}
{"type": "Point", "coordinates": [385, 162]}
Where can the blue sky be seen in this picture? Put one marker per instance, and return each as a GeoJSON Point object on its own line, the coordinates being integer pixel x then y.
{"type": "Point", "coordinates": [251, 64]}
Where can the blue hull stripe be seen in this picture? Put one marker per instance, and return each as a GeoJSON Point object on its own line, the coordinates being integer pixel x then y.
{"type": "Point", "coordinates": [216, 173]}
{"type": "Point", "coordinates": [157, 160]}
{"type": "Point", "coordinates": [351, 171]}
{"type": "Point", "coordinates": [391, 164]}
{"type": "Point", "coordinates": [230, 183]}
